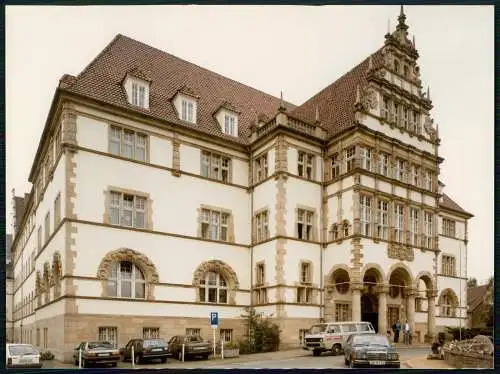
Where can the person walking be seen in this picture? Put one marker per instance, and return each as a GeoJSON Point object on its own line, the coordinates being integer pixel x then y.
{"type": "Point", "coordinates": [396, 328]}
{"type": "Point", "coordinates": [406, 332]}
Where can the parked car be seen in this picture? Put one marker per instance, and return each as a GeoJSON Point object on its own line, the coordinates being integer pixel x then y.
{"type": "Point", "coordinates": [370, 350]}
{"type": "Point", "coordinates": [96, 353]}
{"type": "Point", "coordinates": [331, 336]}
{"type": "Point", "coordinates": [22, 356]}
{"type": "Point", "coordinates": [146, 350]}
{"type": "Point", "coordinates": [193, 346]}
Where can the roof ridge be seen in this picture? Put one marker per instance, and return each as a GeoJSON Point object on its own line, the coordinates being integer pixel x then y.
{"type": "Point", "coordinates": [195, 65]}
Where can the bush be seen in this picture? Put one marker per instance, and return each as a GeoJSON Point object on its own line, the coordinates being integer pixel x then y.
{"type": "Point", "coordinates": [262, 335]}
{"type": "Point", "coordinates": [468, 333]}
{"type": "Point", "coordinates": [46, 356]}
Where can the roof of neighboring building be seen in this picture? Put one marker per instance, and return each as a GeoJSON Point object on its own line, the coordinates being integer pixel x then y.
{"type": "Point", "coordinates": [448, 203]}
{"type": "Point", "coordinates": [8, 244]}
{"type": "Point", "coordinates": [475, 296]}
{"type": "Point", "coordinates": [20, 206]}
{"type": "Point", "coordinates": [102, 80]}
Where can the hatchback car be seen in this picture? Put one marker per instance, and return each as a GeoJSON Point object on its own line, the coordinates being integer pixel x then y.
{"type": "Point", "coordinates": [146, 350]}
{"type": "Point", "coordinates": [22, 356]}
{"type": "Point", "coordinates": [193, 346]}
{"type": "Point", "coordinates": [370, 350]}
{"type": "Point", "coordinates": [96, 353]}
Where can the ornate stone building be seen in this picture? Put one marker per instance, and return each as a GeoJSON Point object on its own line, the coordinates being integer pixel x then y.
{"type": "Point", "coordinates": [163, 191]}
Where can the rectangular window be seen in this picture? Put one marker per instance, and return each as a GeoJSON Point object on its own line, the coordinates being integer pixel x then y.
{"type": "Point", "coordinates": [226, 335]}
{"type": "Point", "coordinates": [229, 125]}
{"type": "Point", "coordinates": [405, 117]}
{"type": "Point", "coordinates": [127, 143]}
{"type": "Point", "coordinates": [127, 210]}
{"type": "Point", "coordinates": [414, 226]}
{"type": "Point", "coordinates": [305, 164]}
{"type": "Point", "coordinates": [151, 333]}
{"type": "Point", "coordinates": [39, 238]}
{"type": "Point", "coordinates": [39, 187]}
{"type": "Point", "coordinates": [365, 214]}
{"type": "Point", "coordinates": [448, 227]}
{"type": "Point", "coordinates": [427, 181]}
{"type": "Point", "coordinates": [57, 210]}
{"type": "Point", "coordinates": [260, 276]}
{"type": "Point", "coordinates": [304, 224]}
{"type": "Point", "coordinates": [215, 166]}
{"type": "Point", "coordinates": [392, 111]}
{"type": "Point", "coordinates": [383, 219]}
{"type": "Point", "coordinates": [397, 111]}
{"type": "Point", "coordinates": [261, 170]}
{"type": "Point", "coordinates": [187, 112]}
{"type": "Point", "coordinates": [139, 95]}
{"type": "Point", "coordinates": [448, 266]}
{"type": "Point", "coordinates": [385, 107]}
{"type": "Point", "coordinates": [366, 158]}
{"type": "Point", "coordinates": [305, 272]}
{"type": "Point", "coordinates": [428, 232]}
{"type": "Point", "coordinates": [304, 295]}
{"type": "Point", "coordinates": [214, 225]}
{"type": "Point", "coordinates": [383, 163]}
{"type": "Point", "coordinates": [349, 159]}
{"type": "Point", "coordinates": [342, 312]}
{"type": "Point", "coordinates": [398, 222]}
{"type": "Point", "coordinates": [47, 227]}
{"type": "Point", "coordinates": [262, 226]}
{"type": "Point", "coordinates": [414, 175]}
{"type": "Point", "coordinates": [45, 337]}
{"type": "Point", "coordinates": [193, 332]}
{"type": "Point", "coordinates": [399, 169]}
{"type": "Point", "coordinates": [335, 165]}
{"type": "Point", "coordinates": [108, 334]}
{"type": "Point", "coordinates": [416, 121]}
{"type": "Point", "coordinates": [260, 296]}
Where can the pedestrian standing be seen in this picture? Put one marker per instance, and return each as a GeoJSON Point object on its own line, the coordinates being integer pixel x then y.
{"type": "Point", "coordinates": [396, 328]}
{"type": "Point", "coordinates": [406, 332]}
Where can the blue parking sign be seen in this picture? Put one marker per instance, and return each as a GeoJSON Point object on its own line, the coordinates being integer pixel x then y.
{"type": "Point", "coordinates": [214, 319]}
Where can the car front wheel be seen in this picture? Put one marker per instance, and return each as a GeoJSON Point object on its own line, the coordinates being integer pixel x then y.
{"type": "Point", "coordinates": [352, 365]}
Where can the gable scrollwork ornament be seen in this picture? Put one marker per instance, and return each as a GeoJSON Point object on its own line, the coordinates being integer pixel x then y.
{"type": "Point", "coordinates": [429, 128]}
{"type": "Point", "coordinates": [400, 252]}
{"type": "Point", "coordinates": [369, 100]}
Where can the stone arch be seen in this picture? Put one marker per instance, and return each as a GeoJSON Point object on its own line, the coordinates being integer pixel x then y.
{"type": "Point", "coordinates": [378, 270]}
{"type": "Point", "coordinates": [344, 273]}
{"type": "Point", "coordinates": [332, 271]}
{"type": "Point", "coordinates": [404, 281]}
{"type": "Point", "coordinates": [401, 268]}
{"type": "Point", "coordinates": [427, 278]}
{"type": "Point", "coordinates": [220, 267]}
{"type": "Point", "coordinates": [453, 299]}
{"type": "Point", "coordinates": [147, 267]}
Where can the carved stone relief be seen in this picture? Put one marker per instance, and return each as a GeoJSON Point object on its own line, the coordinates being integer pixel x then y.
{"type": "Point", "coordinates": [369, 99]}
{"type": "Point", "coordinates": [400, 252]}
{"type": "Point", "coordinates": [429, 128]}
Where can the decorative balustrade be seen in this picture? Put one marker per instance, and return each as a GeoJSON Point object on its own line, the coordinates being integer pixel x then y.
{"type": "Point", "coordinates": [292, 123]}
{"type": "Point", "coordinates": [301, 126]}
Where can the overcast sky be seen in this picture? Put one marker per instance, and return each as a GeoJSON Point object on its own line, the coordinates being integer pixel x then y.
{"type": "Point", "coordinates": [297, 49]}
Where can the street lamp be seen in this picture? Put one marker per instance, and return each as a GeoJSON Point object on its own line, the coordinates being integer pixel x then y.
{"type": "Point", "coordinates": [460, 290]}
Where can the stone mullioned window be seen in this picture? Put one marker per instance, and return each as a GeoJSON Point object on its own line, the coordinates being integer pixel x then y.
{"type": "Point", "coordinates": [127, 143]}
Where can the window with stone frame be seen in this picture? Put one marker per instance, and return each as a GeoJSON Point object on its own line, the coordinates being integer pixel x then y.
{"type": "Point", "coordinates": [396, 66]}
{"type": "Point", "coordinates": [405, 116]}
{"type": "Point", "coordinates": [213, 288]}
{"type": "Point", "coordinates": [365, 214]}
{"type": "Point", "coordinates": [414, 177]}
{"type": "Point", "coordinates": [397, 111]}
{"type": "Point", "coordinates": [414, 226]}
{"type": "Point", "coordinates": [127, 210]}
{"type": "Point", "coordinates": [342, 312]}
{"type": "Point", "coordinates": [262, 226]}
{"type": "Point", "coordinates": [334, 232]}
{"type": "Point", "coordinates": [150, 332]}
{"type": "Point", "coordinates": [45, 337]}
{"type": "Point", "coordinates": [392, 111]}
{"type": "Point", "coordinates": [46, 168]}
{"type": "Point", "coordinates": [335, 160]}
{"type": "Point", "coordinates": [383, 163]}
{"type": "Point", "coordinates": [193, 331]}
{"type": "Point", "coordinates": [384, 108]}
{"type": "Point", "coordinates": [305, 273]}
{"type": "Point", "coordinates": [47, 227]}
{"type": "Point", "coordinates": [399, 223]}
{"type": "Point", "coordinates": [419, 304]}
{"type": "Point", "coordinates": [399, 169]}
{"type": "Point", "coordinates": [349, 158]}
{"type": "Point", "coordinates": [37, 337]}
{"type": "Point", "coordinates": [383, 219]}
{"type": "Point", "coordinates": [305, 164]}
{"type": "Point", "coordinates": [427, 180]}
{"type": "Point", "coordinates": [446, 306]}
{"type": "Point", "coordinates": [305, 224]}
{"type": "Point", "coordinates": [428, 231]}
{"type": "Point", "coordinates": [448, 227]}
{"type": "Point", "coordinates": [260, 296]}
{"type": "Point", "coordinates": [126, 280]}
{"type": "Point", "coordinates": [416, 121]}
{"type": "Point", "coordinates": [108, 334]}
{"type": "Point", "coordinates": [127, 143]}
{"type": "Point", "coordinates": [448, 265]}
{"type": "Point", "coordinates": [215, 166]}
{"type": "Point", "coordinates": [57, 210]}
{"type": "Point", "coordinates": [304, 295]}
{"type": "Point", "coordinates": [345, 229]}
{"type": "Point", "coordinates": [260, 274]}
{"type": "Point", "coordinates": [138, 95]}
{"type": "Point", "coordinates": [260, 168]}
{"type": "Point", "coordinates": [214, 224]}
{"type": "Point", "coordinates": [226, 335]}
{"type": "Point", "coordinates": [365, 154]}
{"type": "Point", "coordinates": [188, 110]}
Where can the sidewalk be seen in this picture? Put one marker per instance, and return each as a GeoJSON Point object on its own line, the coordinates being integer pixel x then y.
{"type": "Point", "coordinates": [424, 363]}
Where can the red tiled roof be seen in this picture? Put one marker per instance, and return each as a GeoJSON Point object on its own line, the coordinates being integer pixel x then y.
{"type": "Point", "coordinates": [448, 203]}
{"type": "Point", "coordinates": [335, 103]}
{"type": "Point", "coordinates": [101, 80]}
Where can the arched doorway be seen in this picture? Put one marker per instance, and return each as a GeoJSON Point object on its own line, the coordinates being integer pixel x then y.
{"type": "Point", "coordinates": [369, 298]}
{"type": "Point", "coordinates": [338, 298]}
{"type": "Point", "coordinates": [400, 281]}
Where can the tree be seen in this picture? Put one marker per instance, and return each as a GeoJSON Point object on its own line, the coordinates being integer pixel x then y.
{"type": "Point", "coordinates": [262, 335]}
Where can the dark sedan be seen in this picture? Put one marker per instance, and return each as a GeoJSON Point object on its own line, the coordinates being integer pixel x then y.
{"type": "Point", "coordinates": [146, 350]}
{"type": "Point", "coordinates": [193, 346]}
{"type": "Point", "coordinates": [96, 353]}
{"type": "Point", "coordinates": [370, 350]}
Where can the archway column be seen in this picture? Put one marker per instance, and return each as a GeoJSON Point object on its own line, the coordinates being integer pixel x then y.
{"type": "Point", "coordinates": [356, 301]}
{"type": "Point", "coordinates": [431, 315]}
{"type": "Point", "coordinates": [410, 308]}
{"type": "Point", "coordinates": [382, 292]}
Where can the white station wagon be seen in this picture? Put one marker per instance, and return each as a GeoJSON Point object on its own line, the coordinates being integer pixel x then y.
{"type": "Point", "coordinates": [22, 356]}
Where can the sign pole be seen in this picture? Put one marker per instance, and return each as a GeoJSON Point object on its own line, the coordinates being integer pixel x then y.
{"type": "Point", "coordinates": [214, 339]}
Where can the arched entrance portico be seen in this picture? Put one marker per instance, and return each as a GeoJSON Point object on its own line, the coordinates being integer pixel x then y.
{"type": "Point", "coordinates": [370, 304]}
{"type": "Point", "coordinates": [401, 298]}
{"type": "Point", "coordinates": [426, 302]}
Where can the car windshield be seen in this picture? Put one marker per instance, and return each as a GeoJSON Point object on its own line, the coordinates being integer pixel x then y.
{"type": "Point", "coordinates": [20, 350]}
{"type": "Point", "coordinates": [370, 340]}
{"type": "Point", "coordinates": [194, 339]}
{"type": "Point", "coordinates": [317, 329]}
{"type": "Point", "coordinates": [155, 343]}
{"type": "Point", "coordinates": [95, 345]}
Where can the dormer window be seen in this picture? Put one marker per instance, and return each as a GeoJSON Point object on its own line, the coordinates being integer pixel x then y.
{"type": "Point", "coordinates": [227, 117]}
{"type": "Point", "coordinates": [229, 124]}
{"type": "Point", "coordinates": [138, 95]}
{"type": "Point", "coordinates": [136, 85]}
{"type": "Point", "coordinates": [187, 111]}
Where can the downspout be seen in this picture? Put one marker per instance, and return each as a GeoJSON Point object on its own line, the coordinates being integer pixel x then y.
{"type": "Point", "coordinates": [323, 239]}
{"type": "Point", "coordinates": [250, 190]}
